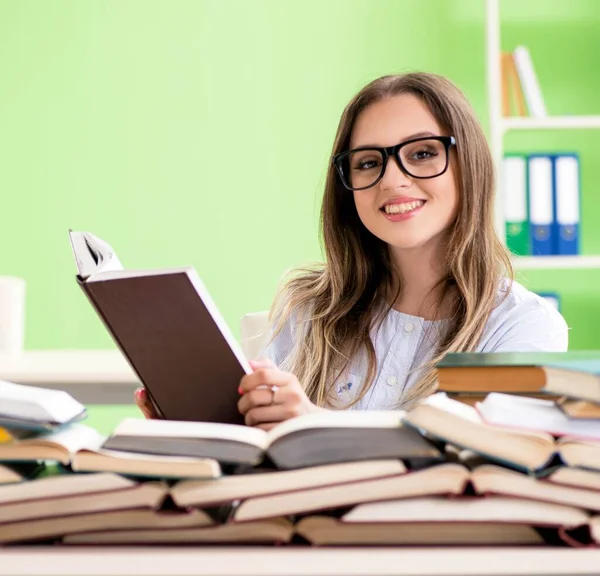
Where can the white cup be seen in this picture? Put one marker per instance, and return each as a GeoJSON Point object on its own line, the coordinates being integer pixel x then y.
{"type": "Point", "coordinates": [12, 314]}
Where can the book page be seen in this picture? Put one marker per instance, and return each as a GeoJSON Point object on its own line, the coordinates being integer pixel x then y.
{"type": "Point", "coordinates": [338, 419]}
{"type": "Point", "coordinates": [72, 438]}
{"type": "Point", "coordinates": [21, 401]}
{"type": "Point", "coordinates": [191, 430]}
{"type": "Point", "coordinates": [533, 414]}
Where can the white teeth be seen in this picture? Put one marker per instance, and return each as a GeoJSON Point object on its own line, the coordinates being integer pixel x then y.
{"type": "Point", "coordinates": [402, 208]}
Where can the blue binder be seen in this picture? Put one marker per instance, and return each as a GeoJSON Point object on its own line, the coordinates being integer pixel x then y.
{"type": "Point", "coordinates": [566, 194]}
{"type": "Point", "coordinates": [541, 204]}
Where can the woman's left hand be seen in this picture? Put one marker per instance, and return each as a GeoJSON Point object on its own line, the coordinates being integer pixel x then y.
{"type": "Point", "coordinates": [270, 396]}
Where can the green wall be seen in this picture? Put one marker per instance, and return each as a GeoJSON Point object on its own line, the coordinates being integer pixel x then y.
{"type": "Point", "coordinates": [198, 132]}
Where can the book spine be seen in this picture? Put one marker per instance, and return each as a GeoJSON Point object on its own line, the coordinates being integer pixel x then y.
{"type": "Point", "coordinates": [517, 87]}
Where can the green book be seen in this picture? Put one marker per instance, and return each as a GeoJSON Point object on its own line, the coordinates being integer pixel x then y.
{"type": "Point", "coordinates": [585, 360]}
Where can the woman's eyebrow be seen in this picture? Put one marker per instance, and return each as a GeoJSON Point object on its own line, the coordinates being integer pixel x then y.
{"type": "Point", "coordinates": [423, 134]}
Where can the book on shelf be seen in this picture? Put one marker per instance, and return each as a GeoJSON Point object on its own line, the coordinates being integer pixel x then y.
{"type": "Point", "coordinates": [521, 92]}
{"type": "Point", "coordinates": [446, 420]}
{"type": "Point", "coordinates": [308, 440]}
{"type": "Point", "coordinates": [26, 409]}
{"type": "Point", "coordinates": [170, 330]}
{"type": "Point", "coordinates": [513, 101]}
{"type": "Point", "coordinates": [573, 374]}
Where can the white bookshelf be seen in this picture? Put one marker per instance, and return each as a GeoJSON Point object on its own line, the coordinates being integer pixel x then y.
{"type": "Point", "coordinates": [550, 123]}
{"type": "Point", "coordinates": [499, 126]}
{"type": "Point", "coordinates": [541, 262]}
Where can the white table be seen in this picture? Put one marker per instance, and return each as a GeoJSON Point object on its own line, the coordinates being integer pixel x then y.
{"type": "Point", "coordinates": [91, 376]}
{"type": "Point", "coordinates": [159, 561]}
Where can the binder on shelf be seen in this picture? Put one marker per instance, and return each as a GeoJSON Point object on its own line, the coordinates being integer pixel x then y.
{"type": "Point", "coordinates": [553, 298]}
{"type": "Point", "coordinates": [541, 209]}
{"type": "Point", "coordinates": [514, 184]}
{"type": "Point", "coordinates": [566, 203]}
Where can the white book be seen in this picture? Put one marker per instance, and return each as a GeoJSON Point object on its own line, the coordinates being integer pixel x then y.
{"type": "Point", "coordinates": [23, 406]}
{"type": "Point", "coordinates": [529, 82]}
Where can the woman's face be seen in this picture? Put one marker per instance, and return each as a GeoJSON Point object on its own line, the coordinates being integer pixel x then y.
{"type": "Point", "coordinates": [403, 211]}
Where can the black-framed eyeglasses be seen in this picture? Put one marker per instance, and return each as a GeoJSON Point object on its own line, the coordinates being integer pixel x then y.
{"type": "Point", "coordinates": [425, 157]}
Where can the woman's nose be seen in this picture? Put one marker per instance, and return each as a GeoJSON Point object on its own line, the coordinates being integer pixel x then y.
{"type": "Point", "coordinates": [394, 177]}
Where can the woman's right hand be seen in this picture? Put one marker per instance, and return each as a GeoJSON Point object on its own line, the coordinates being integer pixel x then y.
{"type": "Point", "coordinates": [143, 403]}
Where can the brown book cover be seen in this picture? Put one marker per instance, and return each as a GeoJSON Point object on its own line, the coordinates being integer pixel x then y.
{"type": "Point", "coordinates": [170, 331]}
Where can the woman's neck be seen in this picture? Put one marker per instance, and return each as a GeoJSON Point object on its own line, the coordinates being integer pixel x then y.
{"type": "Point", "coordinates": [420, 271]}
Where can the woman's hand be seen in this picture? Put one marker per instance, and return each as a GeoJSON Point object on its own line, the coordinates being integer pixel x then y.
{"type": "Point", "coordinates": [143, 402]}
{"type": "Point", "coordinates": [270, 396]}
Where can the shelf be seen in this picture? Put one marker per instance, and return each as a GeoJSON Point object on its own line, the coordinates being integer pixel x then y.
{"type": "Point", "coordinates": [549, 262]}
{"type": "Point", "coordinates": [550, 123]}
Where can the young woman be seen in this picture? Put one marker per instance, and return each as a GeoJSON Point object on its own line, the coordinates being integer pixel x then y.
{"type": "Point", "coordinates": [413, 268]}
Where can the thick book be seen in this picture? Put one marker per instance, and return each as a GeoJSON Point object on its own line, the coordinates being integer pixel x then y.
{"type": "Point", "coordinates": [571, 374]}
{"type": "Point", "coordinates": [443, 419]}
{"type": "Point", "coordinates": [308, 440]}
{"type": "Point", "coordinates": [169, 329]}
{"type": "Point", "coordinates": [68, 494]}
{"type": "Point", "coordinates": [439, 521]}
{"type": "Point", "coordinates": [261, 532]}
{"type": "Point", "coordinates": [32, 408]}
{"type": "Point", "coordinates": [229, 489]}
{"type": "Point", "coordinates": [54, 528]}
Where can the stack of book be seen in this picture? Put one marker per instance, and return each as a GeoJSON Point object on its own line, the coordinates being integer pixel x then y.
{"type": "Point", "coordinates": [443, 473]}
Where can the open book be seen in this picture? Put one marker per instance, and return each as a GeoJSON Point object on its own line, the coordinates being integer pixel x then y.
{"type": "Point", "coordinates": [80, 447]}
{"type": "Point", "coordinates": [444, 419]}
{"type": "Point", "coordinates": [309, 440]}
{"type": "Point", "coordinates": [169, 329]}
{"type": "Point", "coordinates": [67, 494]}
{"type": "Point", "coordinates": [438, 521]}
{"type": "Point", "coordinates": [523, 413]}
{"type": "Point", "coordinates": [269, 531]}
{"type": "Point", "coordinates": [33, 408]}
{"type": "Point", "coordinates": [442, 480]}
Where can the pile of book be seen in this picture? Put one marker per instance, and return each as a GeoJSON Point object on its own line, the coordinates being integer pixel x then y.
{"type": "Point", "coordinates": [496, 472]}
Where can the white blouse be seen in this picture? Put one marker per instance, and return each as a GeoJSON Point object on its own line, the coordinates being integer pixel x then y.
{"type": "Point", "coordinates": [522, 322]}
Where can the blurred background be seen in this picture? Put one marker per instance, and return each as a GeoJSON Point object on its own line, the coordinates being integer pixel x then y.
{"type": "Point", "coordinates": [198, 132]}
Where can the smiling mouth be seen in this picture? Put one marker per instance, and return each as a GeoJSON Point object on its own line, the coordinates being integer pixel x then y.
{"type": "Point", "coordinates": [402, 208]}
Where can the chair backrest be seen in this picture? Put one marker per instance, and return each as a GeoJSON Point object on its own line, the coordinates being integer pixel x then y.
{"type": "Point", "coordinates": [254, 334]}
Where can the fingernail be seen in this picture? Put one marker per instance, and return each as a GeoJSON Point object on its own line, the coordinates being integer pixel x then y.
{"type": "Point", "coordinates": [240, 390]}
{"type": "Point", "coordinates": [139, 393]}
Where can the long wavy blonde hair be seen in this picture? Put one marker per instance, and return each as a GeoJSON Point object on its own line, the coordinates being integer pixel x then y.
{"type": "Point", "coordinates": [333, 305]}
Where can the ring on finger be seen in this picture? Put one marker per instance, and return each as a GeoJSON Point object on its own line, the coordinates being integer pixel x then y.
{"type": "Point", "coordinates": [274, 389]}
